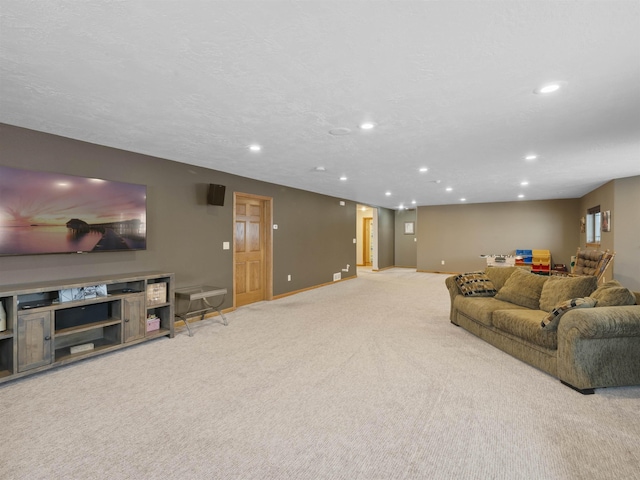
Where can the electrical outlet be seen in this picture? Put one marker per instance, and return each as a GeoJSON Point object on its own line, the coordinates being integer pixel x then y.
{"type": "Point", "coordinates": [442, 262]}
{"type": "Point", "coordinates": [288, 278]}
{"type": "Point", "coordinates": [337, 276]}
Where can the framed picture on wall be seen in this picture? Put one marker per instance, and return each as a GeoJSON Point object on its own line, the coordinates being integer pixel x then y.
{"type": "Point", "coordinates": [606, 221]}
{"type": "Point", "coordinates": [409, 228]}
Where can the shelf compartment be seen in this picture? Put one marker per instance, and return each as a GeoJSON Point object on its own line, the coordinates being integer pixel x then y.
{"type": "Point", "coordinates": [64, 354]}
{"type": "Point", "coordinates": [89, 314]}
{"type": "Point", "coordinates": [87, 327]}
{"type": "Point", "coordinates": [123, 288]}
{"type": "Point", "coordinates": [37, 300]}
{"type": "Point", "coordinates": [102, 336]}
{"type": "Point", "coordinates": [6, 357]}
{"type": "Point", "coordinates": [163, 312]}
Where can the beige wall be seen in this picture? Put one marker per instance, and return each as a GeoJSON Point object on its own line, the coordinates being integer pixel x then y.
{"type": "Point", "coordinates": [622, 198]}
{"type": "Point", "coordinates": [459, 234]}
{"type": "Point", "coordinates": [313, 241]}
{"type": "Point", "coordinates": [386, 238]}
{"type": "Point", "coordinates": [405, 245]}
{"type": "Point", "coordinates": [625, 224]}
{"type": "Point", "coordinates": [603, 196]}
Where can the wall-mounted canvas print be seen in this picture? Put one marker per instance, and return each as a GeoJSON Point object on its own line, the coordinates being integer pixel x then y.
{"type": "Point", "coordinates": [606, 221]}
{"type": "Point", "coordinates": [43, 212]}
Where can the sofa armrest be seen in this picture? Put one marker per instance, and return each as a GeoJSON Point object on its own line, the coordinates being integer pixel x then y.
{"type": "Point", "coordinates": [454, 291]}
{"type": "Point", "coordinates": [599, 347]}
{"type": "Point", "coordinates": [601, 322]}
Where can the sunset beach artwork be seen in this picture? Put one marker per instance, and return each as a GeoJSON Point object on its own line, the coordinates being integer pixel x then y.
{"type": "Point", "coordinates": [42, 212]}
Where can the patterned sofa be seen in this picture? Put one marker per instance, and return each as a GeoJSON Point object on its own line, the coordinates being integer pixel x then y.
{"type": "Point", "coordinates": [588, 336]}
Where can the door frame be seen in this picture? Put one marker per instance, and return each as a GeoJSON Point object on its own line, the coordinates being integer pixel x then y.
{"type": "Point", "coordinates": [266, 203]}
{"type": "Point", "coordinates": [367, 242]}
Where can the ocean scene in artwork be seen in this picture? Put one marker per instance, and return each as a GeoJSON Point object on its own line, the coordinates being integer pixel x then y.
{"type": "Point", "coordinates": [42, 212]}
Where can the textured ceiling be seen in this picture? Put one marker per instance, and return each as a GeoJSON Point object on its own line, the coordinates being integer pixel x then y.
{"type": "Point", "coordinates": [448, 83]}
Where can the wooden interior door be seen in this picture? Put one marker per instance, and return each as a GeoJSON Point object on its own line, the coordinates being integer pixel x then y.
{"type": "Point", "coordinates": [367, 252]}
{"type": "Point", "coordinates": [252, 254]}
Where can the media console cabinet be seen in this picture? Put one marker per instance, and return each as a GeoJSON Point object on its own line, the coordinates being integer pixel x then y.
{"type": "Point", "coordinates": [113, 312]}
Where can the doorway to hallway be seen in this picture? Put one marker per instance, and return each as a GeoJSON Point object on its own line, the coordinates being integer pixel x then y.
{"type": "Point", "coordinates": [367, 236]}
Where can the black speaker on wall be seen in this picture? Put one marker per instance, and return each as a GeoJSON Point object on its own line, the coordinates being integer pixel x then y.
{"type": "Point", "coordinates": [215, 195]}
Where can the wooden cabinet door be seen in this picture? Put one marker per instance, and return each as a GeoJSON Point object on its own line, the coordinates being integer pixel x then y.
{"type": "Point", "coordinates": [34, 340]}
{"type": "Point", "coordinates": [133, 308]}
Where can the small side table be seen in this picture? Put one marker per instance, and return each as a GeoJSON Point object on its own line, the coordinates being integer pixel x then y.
{"type": "Point", "coordinates": [201, 292]}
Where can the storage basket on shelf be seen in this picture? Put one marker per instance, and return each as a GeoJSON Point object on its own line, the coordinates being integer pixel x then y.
{"type": "Point", "coordinates": [541, 262]}
{"type": "Point", "coordinates": [524, 257]}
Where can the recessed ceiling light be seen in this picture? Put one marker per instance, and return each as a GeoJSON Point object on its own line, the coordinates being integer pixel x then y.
{"type": "Point", "coordinates": [388, 194]}
{"type": "Point", "coordinates": [463, 199]}
{"type": "Point", "coordinates": [367, 125]}
{"type": "Point", "coordinates": [401, 207]}
{"type": "Point", "coordinates": [448, 189]}
{"type": "Point", "coordinates": [343, 178]}
{"type": "Point", "coordinates": [521, 196]}
{"type": "Point", "coordinates": [320, 169]}
{"type": "Point", "coordinates": [413, 202]}
{"type": "Point", "coordinates": [255, 148]}
{"type": "Point", "coordinates": [423, 169]}
{"type": "Point", "coordinates": [550, 87]}
{"type": "Point", "coordinates": [524, 184]}
{"type": "Point", "coordinates": [340, 131]}
{"type": "Point", "coordinates": [531, 157]}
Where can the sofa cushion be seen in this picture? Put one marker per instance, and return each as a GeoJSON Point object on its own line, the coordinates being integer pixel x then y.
{"type": "Point", "coordinates": [525, 324]}
{"type": "Point", "coordinates": [499, 275]}
{"type": "Point", "coordinates": [559, 289]}
{"type": "Point", "coordinates": [522, 288]}
{"type": "Point", "coordinates": [481, 309]}
{"type": "Point", "coordinates": [475, 284]}
{"type": "Point", "coordinates": [550, 322]}
{"type": "Point", "coordinates": [613, 294]}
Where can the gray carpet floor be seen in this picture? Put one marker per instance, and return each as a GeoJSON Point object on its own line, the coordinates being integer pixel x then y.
{"type": "Point", "coordinates": [362, 379]}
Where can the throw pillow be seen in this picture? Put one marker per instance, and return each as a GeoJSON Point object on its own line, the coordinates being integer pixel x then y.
{"type": "Point", "coordinates": [559, 289]}
{"type": "Point", "coordinates": [475, 284]}
{"type": "Point", "coordinates": [552, 320]}
{"type": "Point", "coordinates": [499, 275]}
{"type": "Point", "coordinates": [523, 288]}
{"type": "Point", "coordinates": [613, 294]}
